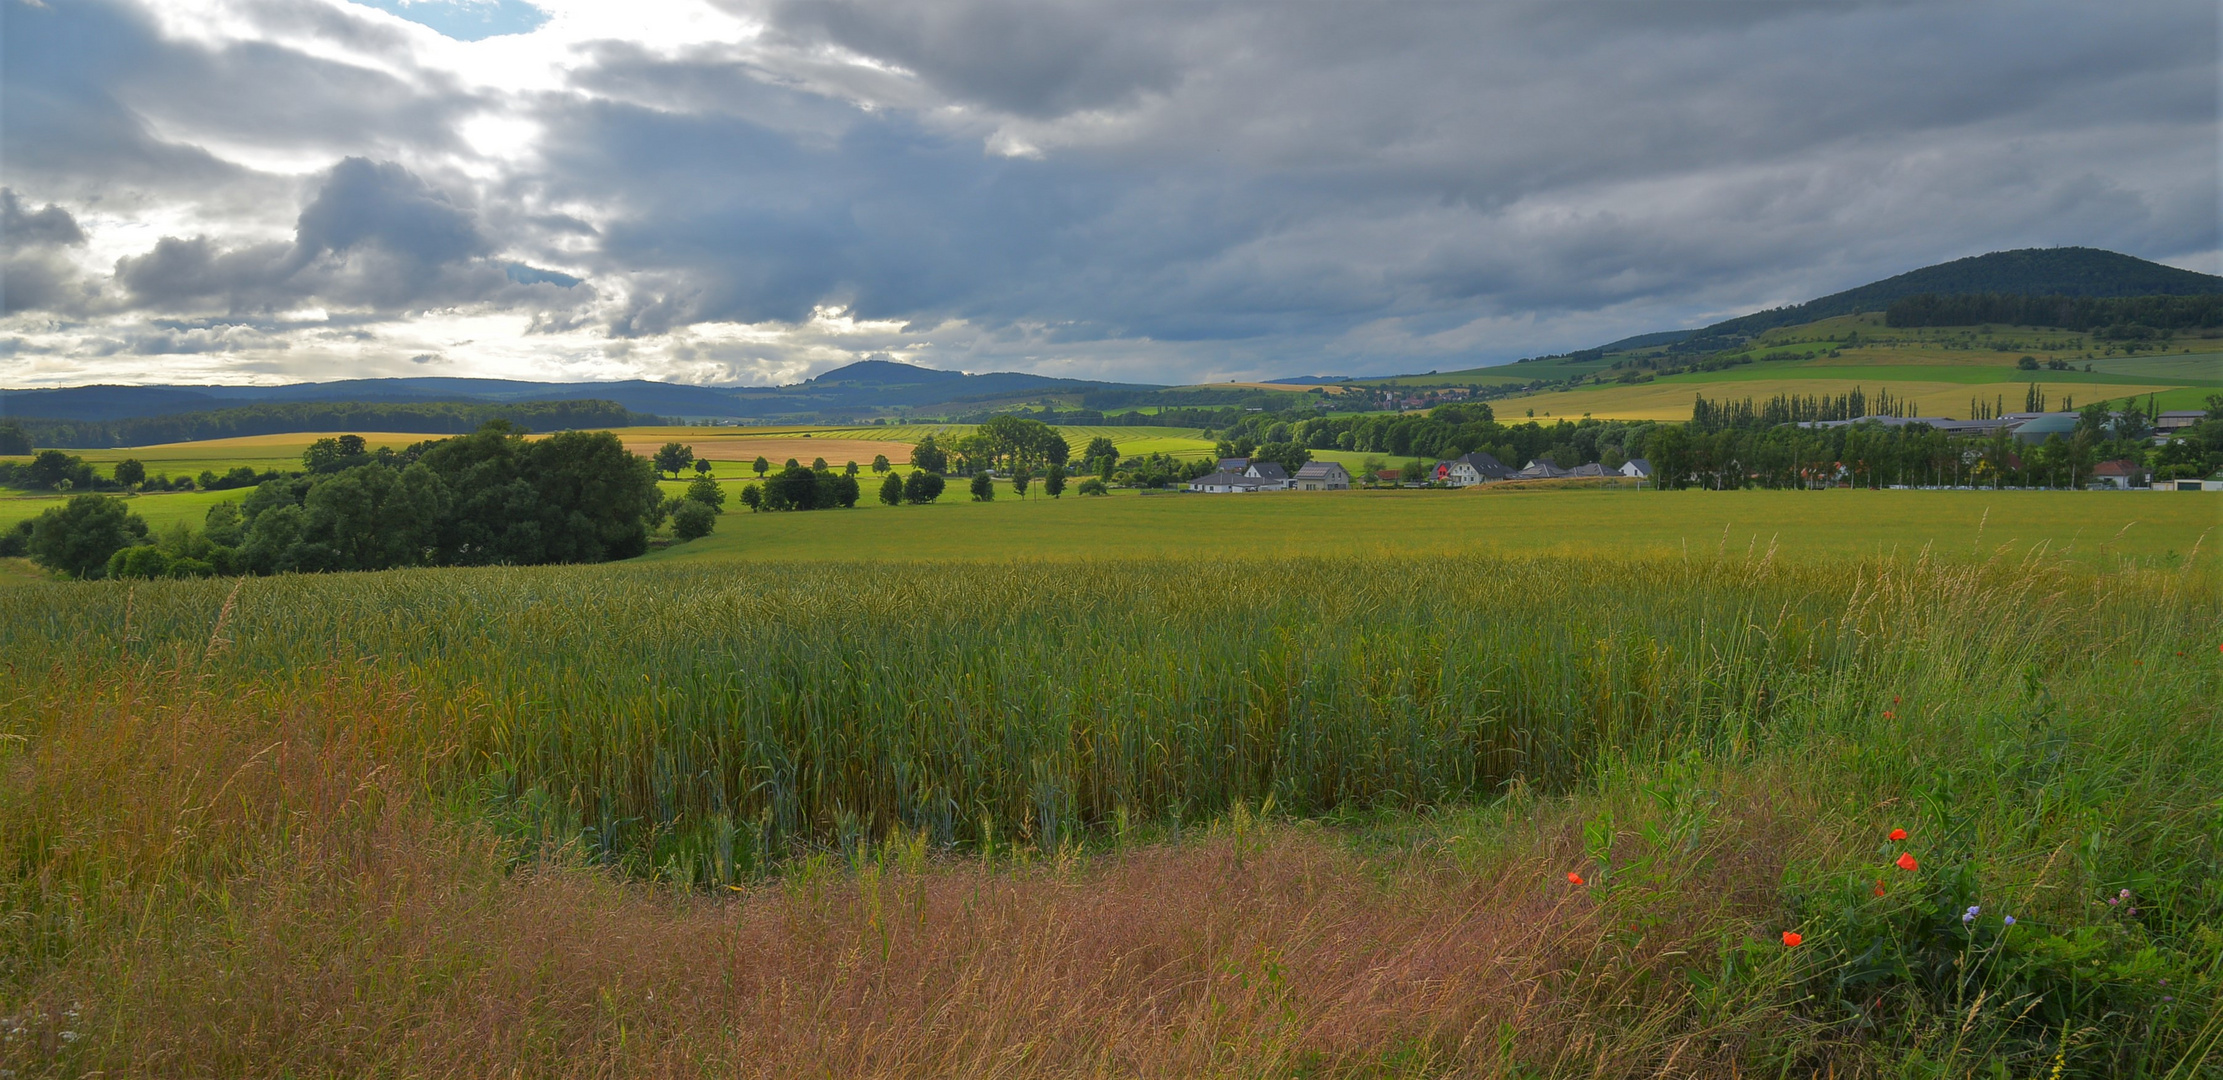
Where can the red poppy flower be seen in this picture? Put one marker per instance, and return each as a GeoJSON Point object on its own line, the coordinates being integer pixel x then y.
{"type": "Point", "coordinates": [1907, 863]}
{"type": "Point", "coordinates": [1889, 715]}
{"type": "Point", "coordinates": [1898, 834]}
{"type": "Point", "coordinates": [1791, 939]}
{"type": "Point", "coordinates": [1894, 699]}
{"type": "Point", "coordinates": [1574, 877]}
{"type": "Point", "coordinates": [1879, 886]}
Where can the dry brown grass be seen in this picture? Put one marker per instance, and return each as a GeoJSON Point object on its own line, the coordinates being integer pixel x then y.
{"type": "Point", "coordinates": [253, 886]}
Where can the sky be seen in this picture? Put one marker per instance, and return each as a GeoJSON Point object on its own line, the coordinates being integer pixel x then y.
{"type": "Point", "coordinates": [751, 192]}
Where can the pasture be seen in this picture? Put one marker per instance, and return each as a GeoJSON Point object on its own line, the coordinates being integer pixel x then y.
{"type": "Point", "coordinates": [1428, 530]}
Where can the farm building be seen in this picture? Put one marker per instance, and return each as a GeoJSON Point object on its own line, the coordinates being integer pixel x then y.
{"type": "Point", "coordinates": [1322, 476]}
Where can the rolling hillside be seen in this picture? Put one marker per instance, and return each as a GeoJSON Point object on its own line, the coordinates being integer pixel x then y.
{"type": "Point", "coordinates": [1835, 343]}
{"type": "Point", "coordinates": [1941, 369]}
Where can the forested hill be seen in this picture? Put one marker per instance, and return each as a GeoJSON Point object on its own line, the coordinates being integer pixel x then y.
{"type": "Point", "coordinates": [425, 417]}
{"type": "Point", "coordinates": [2074, 272]}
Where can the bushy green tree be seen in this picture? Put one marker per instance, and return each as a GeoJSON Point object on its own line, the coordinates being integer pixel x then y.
{"type": "Point", "coordinates": [702, 466]}
{"type": "Point", "coordinates": [1053, 481]}
{"type": "Point", "coordinates": [762, 465]}
{"type": "Point", "coordinates": [672, 458]}
{"type": "Point", "coordinates": [693, 520]}
{"type": "Point", "coordinates": [78, 537]}
{"type": "Point", "coordinates": [706, 490]}
{"type": "Point", "coordinates": [753, 498]}
{"type": "Point", "coordinates": [984, 488]}
{"type": "Point", "coordinates": [795, 488]}
{"type": "Point", "coordinates": [130, 472]}
{"type": "Point", "coordinates": [929, 456]}
{"type": "Point", "coordinates": [891, 490]}
{"type": "Point", "coordinates": [1019, 481]}
{"type": "Point", "coordinates": [923, 487]}
{"type": "Point", "coordinates": [880, 463]}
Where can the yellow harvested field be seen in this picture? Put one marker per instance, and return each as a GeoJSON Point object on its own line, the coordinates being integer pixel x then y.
{"type": "Point", "coordinates": [775, 448]}
{"type": "Point", "coordinates": [1672, 400]}
{"type": "Point", "coordinates": [289, 444]}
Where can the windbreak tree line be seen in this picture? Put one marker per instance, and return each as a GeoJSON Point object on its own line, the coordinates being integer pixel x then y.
{"type": "Point", "coordinates": [1873, 455]}
{"type": "Point", "coordinates": [488, 498]}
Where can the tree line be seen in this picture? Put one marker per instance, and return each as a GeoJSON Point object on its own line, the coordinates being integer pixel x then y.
{"type": "Point", "coordinates": [491, 498]}
{"type": "Point", "coordinates": [2106, 317]}
{"type": "Point", "coordinates": [272, 418]}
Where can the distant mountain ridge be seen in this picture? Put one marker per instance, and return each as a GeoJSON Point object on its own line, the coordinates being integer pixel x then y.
{"type": "Point", "coordinates": [856, 388]}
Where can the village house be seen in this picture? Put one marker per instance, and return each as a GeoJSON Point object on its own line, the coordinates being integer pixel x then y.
{"type": "Point", "coordinates": [1225, 482]}
{"type": "Point", "coordinates": [1540, 469]}
{"type": "Point", "coordinates": [1269, 472]}
{"type": "Point", "coordinates": [1322, 476]}
{"type": "Point", "coordinates": [1472, 469]}
{"type": "Point", "coordinates": [1637, 469]}
{"type": "Point", "coordinates": [1591, 470]}
{"type": "Point", "coordinates": [2122, 473]}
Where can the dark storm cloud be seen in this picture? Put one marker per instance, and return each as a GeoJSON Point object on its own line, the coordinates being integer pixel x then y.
{"type": "Point", "coordinates": [49, 226]}
{"type": "Point", "coordinates": [1160, 190]}
{"type": "Point", "coordinates": [35, 275]}
{"type": "Point", "coordinates": [374, 235]}
{"type": "Point", "coordinates": [1297, 169]}
{"type": "Point", "coordinates": [1027, 58]}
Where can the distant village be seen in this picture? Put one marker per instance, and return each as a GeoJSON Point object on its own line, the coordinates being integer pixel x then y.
{"type": "Point", "coordinates": [1239, 475]}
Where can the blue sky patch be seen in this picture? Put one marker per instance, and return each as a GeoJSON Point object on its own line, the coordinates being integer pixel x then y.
{"type": "Point", "coordinates": [467, 20]}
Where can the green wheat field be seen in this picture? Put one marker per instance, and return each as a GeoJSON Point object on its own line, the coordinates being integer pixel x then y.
{"type": "Point", "coordinates": [1304, 815]}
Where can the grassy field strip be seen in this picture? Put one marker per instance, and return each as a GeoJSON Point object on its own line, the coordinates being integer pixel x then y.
{"type": "Point", "coordinates": [1670, 399]}
{"type": "Point", "coordinates": [1429, 530]}
{"type": "Point", "coordinates": [1419, 526]}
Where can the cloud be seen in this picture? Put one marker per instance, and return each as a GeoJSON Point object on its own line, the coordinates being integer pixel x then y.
{"type": "Point", "coordinates": [49, 226]}
{"type": "Point", "coordinates": [1159, 193]}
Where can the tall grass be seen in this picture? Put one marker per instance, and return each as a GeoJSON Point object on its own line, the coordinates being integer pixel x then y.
{"type": "Point", "coordinates": [689, 723]}
{"type": "Point", "coordinates": [373, 819]}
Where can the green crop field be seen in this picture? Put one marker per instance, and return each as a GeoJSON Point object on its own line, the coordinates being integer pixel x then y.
{"type": "Point", "coordinates": [1392, 524]}
{"type": "Point", "coordinates": [1615, 816]}
{"type": "Point", "coordinates": [1429, 527]}
{"type": "Point", "coordinates": [1520, 780]}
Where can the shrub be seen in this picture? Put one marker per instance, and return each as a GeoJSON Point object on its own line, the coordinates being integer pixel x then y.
{"type": "Point", "coordinates": [693, 520]}
{"type": "Point", "coordinates": [706, 491]}
{"type": "Point", "coordinates": [80, 536]}
{"type": "Point", "coordinates": [984, 488]}
{"type": "Point", "coordinates": [1093, 486]}
{"type": "Point", "coordinates": [891, 490]}
{"type": "Point", "coordinates": [923, 487]}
